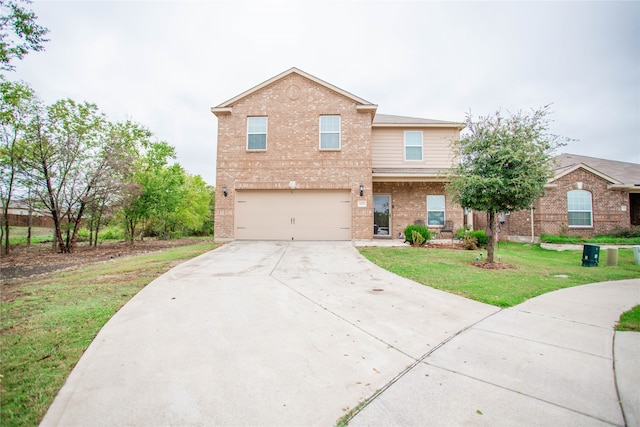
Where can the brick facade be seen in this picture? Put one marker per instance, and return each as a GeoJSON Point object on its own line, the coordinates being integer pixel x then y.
{"type": "Point", "coordinates": [611, 209]}
{"type": "Point", "coordinates": [293, 105]}
{"type": "Point", "coordinates": [409, 203]}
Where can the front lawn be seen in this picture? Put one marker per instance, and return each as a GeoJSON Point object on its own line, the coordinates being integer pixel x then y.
{"type": "Point", "coordinates": [536, 271]}
{"type": "Point", "coordinates": [48, 321]}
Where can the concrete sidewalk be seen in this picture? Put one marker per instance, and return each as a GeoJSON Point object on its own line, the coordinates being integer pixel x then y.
{"type": "Point", "coordinates": [258, 333]}
{"type": "Point", "coordinates": [548, 361]}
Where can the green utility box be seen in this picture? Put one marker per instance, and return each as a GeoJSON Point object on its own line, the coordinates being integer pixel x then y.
{"type": "Point", "coordinates": [636, 254]}
{"type": "Point", "coordinates": [590, 255]}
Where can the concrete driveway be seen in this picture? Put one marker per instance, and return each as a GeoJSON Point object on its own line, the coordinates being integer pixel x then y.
{"type": "Point", "coordinates": [259, 333]}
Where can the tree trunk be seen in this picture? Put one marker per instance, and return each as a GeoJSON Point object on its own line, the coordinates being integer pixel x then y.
{"type": "Point", "coordinates": [132, 229]}
{"type": "Point", "coordinates": [491, 243]}
{"type": "Point", "coordinates": [95, 241]}
{"type": "Point", "coordinates": [5, 220]}
{"type": "Point", "coordinates": [29, 225]}
{"type": "Point", "coordinates": [68, 235]}
{"type": "Point", "coordinates": [55, 213]}
{"type": "Point", "coordinates": [76, 226]}
{"type": "Point", "coordinates": [58, 240]}
{"type": "Point", "coordinates": [5, 213]}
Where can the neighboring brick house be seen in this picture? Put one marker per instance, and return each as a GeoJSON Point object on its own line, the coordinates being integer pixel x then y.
{"type": "Point", "coordinates": [19, 215]}
{"type": "Point", "coordinates": [587, 196]}
{"type": "Point", "coordinates": [299, 158]}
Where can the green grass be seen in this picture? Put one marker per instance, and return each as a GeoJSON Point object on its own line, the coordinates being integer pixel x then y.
{"type": "Point", "coordinates": [47, 323]}
{"type": "Point", "coordinates": [18, 235]}
{"type": "Point", "coordinates": [612, 240]}
{"type": "Point", "coordinates": [536, 271]}
{"type": "Point", "coordinates": [630, 320]}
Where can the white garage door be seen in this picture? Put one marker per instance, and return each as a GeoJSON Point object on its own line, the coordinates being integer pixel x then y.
{"type": "Point", "coordinates": [293, 214]}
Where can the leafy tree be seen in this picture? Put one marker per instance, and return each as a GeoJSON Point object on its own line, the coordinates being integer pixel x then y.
{"type": "Point", "coordinates": [504, 164]}
{"type": "Point", "coordinates": [149, 185]}
{"type": "Point", "coordinates": [17, 104]}
{"type": "Point", "coordinates": [120, 151]}
{"type": "Point", "coordinates": [164, 193]}
{"type": "Point", "coordinates": [68, 159]}
{"type": "Point", "coordinates": [19, 32]}
{"type": "Point", "coordinates": [209, 223]}
{"type": "Point", "coordinates": [194, 208]}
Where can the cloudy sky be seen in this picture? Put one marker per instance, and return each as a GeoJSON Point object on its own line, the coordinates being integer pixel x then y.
{"type": "Point", "coordinates": [164, 64]}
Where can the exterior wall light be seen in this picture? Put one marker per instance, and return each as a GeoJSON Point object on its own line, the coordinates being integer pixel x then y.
{"type": "Point", "coordinates": [224, 190]}
{"type": "Point", "coordinates": [361, 190]}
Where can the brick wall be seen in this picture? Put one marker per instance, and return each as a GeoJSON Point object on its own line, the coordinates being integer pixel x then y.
{"type": "Point", "coordinates": [293, 105]}
{"type": "Point", "coordinates": [409, 203]}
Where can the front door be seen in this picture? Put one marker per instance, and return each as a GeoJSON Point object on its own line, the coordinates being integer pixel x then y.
{"type": "Point", "coordinates": [382, 215]}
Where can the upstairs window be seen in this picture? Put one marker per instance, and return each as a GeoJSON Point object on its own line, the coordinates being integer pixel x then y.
{"type": "Point", "coordinates": [329, 132]}
{"type": "Point", "coordinates": [256, 133]}
{"type": "Point", "coordinates": [580, 208]}
{"type": "Point", "coordinates": [435, 211]}
{"type": "Point", "coordinates": [413, 145]}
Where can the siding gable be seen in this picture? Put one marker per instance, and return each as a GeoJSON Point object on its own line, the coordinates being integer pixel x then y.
{"type": "Point", "coordinates": [388, 148]}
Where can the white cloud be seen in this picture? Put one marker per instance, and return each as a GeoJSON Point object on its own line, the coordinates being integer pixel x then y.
{"type": "Point", "coordinates": [164, 64]}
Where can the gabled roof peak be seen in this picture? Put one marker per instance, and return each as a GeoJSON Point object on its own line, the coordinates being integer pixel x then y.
{"type": "Point", "coordinates": [224, 107]}
{"type": "Point", "coordinates": [614, 171]}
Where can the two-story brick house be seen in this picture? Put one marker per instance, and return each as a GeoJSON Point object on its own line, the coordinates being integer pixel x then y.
{"type": "Point", "coordinates": [299, 158]}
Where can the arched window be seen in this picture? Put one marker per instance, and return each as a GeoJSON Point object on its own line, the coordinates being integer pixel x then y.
{"type": "Point", "coordinates": [579, 208]}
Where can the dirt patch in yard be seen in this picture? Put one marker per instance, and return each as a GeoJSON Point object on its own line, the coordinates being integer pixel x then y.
{"type": "Point", "coordinates": [39, 259]}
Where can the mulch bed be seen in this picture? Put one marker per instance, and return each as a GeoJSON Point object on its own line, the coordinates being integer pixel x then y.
{"type": "Point", "coordinates": [493, 266]}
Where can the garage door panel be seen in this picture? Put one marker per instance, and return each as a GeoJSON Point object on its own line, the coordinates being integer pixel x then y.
{"type": "Point", "coordinates": [296, 214]}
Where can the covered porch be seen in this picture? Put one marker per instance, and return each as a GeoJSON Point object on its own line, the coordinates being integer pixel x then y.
{"type": "Point", "coordinates": [405, 198]}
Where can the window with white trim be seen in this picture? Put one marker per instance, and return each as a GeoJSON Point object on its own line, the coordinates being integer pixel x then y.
{"type": "Point", "coordinates": [413, 145]}
{"type": "Point", "coordinates": [256, 133]}
{"type": "Point", "coordinates": [580, 209]}
{"type": "Point", "coordinates": [329, 132]}
{"type": "Point", "coordinates": [435, 211]}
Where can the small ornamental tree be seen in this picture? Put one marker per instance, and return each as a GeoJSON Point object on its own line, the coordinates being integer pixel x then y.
{"type": "Point", "coordinates": [504, 164]}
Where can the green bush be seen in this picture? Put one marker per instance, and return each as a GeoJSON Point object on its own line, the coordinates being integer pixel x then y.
{"type": "Point", "coordinates": [112, 232]}
{"type": "Point", "coordinates": [460, 233]}
{"type": "Point", "coordinates": [481, 237]}
{"type": "Point", "coordinates": [421, 230]}
{"type": "Point", "coordinates": [623, 233]}
{"type": "Point", "coordinates": [576, 240]}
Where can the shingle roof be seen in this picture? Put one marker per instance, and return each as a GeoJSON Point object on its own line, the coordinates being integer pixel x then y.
{"type": "Point", "coordinates": [388, 119]}
{"type": "Point", "coordinates": [625, 173]}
